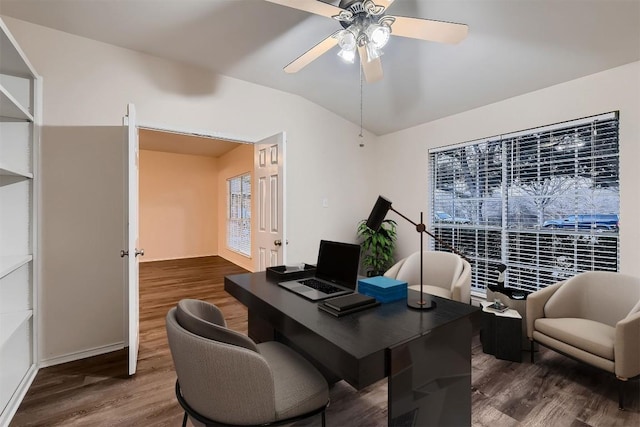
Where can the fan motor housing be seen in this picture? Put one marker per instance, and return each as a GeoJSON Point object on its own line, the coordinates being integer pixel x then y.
{"type": "Point", "coordinates": [360, 16]}
{"type": "Point", "coordinates": [356, 4]}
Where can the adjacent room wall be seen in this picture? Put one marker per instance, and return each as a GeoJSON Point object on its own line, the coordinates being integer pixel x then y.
{"type": "Point", "coordinates": [88, 84]}
{"type": "Point", "coordinates": [178, 205]}
{"type": "Point", "coordinates": [236, 162]}
{"type": "Point", "coordinates": [402, 163]}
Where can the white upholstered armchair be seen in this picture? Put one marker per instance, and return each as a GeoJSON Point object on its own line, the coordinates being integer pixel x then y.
{"type": "Point", "coordinates": [446, 274]}
{"type": "Point", "coordinates": [593, 317]}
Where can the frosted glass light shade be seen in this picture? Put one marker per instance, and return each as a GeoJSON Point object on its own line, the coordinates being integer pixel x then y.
{"type": "Point", "coordinates": [348, 55]}
{"type": "Point", "coordinates": [347, 40]}
{"type": "Point", "coordinates": [378, 35]}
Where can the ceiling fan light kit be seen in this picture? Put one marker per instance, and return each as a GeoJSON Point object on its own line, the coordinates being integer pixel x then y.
{"type": "Point", "coordinates": [348, 55]}
{"type": "Point", "coordinates": [367, 29]}
{"type": "Point", "coordinates": [347, 41]}
{"type": "Point", "coordinates": [362, 28]}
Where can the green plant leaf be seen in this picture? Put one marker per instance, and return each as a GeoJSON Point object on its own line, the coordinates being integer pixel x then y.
{"type": "Point", "coordinates": [377, 246]}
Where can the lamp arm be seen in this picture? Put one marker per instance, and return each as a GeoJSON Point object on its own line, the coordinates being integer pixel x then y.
{"type": "Point", "coordinates": [446, 245]}
{"type": "Point", "coordinates": [412, 222]}
{"type": "Point", "coordinates": [422, 228]}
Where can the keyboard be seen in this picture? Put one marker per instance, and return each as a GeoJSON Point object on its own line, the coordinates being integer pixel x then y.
{"type": "Point", "coordinates": [320, 286]}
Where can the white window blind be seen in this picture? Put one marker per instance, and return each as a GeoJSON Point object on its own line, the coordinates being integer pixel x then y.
{"type": "Point", "coordinates": [545, 202]}
{"type": "Point", "coordinates": [239, 214]}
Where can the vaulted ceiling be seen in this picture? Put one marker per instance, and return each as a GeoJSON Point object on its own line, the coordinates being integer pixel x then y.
{"type": "Point", "coordinates": [513, 47]}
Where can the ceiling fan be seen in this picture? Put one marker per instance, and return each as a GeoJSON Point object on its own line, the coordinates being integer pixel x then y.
{"type": "Point", "coordinates": [367, 29]}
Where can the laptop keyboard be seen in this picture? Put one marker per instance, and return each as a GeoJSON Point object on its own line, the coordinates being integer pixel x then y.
{"type": "Point", "coordinates": [320, 286]}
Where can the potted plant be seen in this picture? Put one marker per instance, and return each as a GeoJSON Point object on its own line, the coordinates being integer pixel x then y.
{"type": "Point", "coordinates": [377, 246]}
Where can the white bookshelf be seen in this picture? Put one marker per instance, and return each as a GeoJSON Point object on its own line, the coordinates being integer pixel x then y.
{"type": "Point", "coordinates": [20, 89]}
{"type": "Point", "coordinates": [9, 264]}
{"type": "Point", "coordinates": [7, 171]}
{"type": "Point", "coordinates": [10, 323]}
{"type": "Point", "coordinates": [11, 108]}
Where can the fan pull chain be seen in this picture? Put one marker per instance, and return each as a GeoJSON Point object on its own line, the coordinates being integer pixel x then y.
{"type": "Point", "coordinates": [360, 135]}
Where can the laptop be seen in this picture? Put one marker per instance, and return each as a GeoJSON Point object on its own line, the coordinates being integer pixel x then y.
{"type": "Point", "coordinates": [336, 272]}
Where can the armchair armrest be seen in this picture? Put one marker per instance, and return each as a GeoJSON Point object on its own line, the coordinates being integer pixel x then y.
{"type": "Point", "coordinates": [626, 347]}
{"type": "Point", "coordinates": [392, 272]}
{"type": "Point", "coordinates": [535, 305]}
{"type": "Point", "coordinates": [461, 289]}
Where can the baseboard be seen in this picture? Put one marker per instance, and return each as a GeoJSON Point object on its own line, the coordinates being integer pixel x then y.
{"type": "Point", "coordinates": [143, 260]}
{"type": "Point", "coordinates": [58, 360]}
{"type": "Point", "coordinates": [14, 403]}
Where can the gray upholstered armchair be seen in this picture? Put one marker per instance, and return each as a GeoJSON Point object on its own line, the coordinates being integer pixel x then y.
{"type": "Point", "coordinates": [226, 378]}
{"type": "Point", "coordinates": [593, 317]}
{"type": "Point", "coordinates": [446, 274]}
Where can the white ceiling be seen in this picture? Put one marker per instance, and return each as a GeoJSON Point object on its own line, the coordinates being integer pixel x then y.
{"type": "Point", "coordinates": [172, 142]}
{"type": "Point", "coordinates": [513, 47]}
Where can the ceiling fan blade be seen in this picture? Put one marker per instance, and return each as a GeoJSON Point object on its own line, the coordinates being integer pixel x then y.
{"type": "Point", "coordinates": [312, 54]}
{"type": "Point", "coordinates": [428, 29]}
{"type": "Point", "coordinates": [372, 69]}
{"type": "Point", "coordinates": [312, 6]}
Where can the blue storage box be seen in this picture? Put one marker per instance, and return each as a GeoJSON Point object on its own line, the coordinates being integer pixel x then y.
{"type": "Point", "coordinates": [384, 289]}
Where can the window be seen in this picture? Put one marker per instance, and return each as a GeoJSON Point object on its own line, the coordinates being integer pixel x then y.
{"type": "Point", "coordinates": [545, 202]}
{"type": "Point", "coordinates": [239, 214]}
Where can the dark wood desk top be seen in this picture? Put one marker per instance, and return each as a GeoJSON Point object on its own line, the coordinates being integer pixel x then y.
{"type": "Point", "coordinates": [359, 340]}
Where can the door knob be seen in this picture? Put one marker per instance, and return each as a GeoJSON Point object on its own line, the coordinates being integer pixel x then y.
{"type": "Point", "coordinates": [277, 242]}
{"type": "Point", "coordinates": [124, 253]}
{"type": "Point", "coordinates": [140, 252]}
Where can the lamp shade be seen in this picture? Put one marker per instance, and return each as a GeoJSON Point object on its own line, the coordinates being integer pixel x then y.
{"type": "Point", "coordinates": [378, 213]}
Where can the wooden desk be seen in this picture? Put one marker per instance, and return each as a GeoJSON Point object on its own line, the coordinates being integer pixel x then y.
{"type": "Point", "coordinates": [426, 355]}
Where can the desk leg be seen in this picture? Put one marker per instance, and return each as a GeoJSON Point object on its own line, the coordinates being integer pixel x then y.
{"type": "Point", "coordinates": [430, 378]}
{"type": "Point", "coordinates": [259, 329]}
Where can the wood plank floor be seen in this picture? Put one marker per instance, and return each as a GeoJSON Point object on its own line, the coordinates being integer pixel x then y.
{"type": "Point", "coordinates": [555, 391]}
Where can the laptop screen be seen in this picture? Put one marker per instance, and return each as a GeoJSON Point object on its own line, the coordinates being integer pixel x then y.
{"type": "Point", "coordinates": [338, 263]}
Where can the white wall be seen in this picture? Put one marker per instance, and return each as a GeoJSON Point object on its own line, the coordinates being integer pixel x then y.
{"type": "Point", "coordinates": [88, 84]}
{"type": "Point", "coordinates": [402, 156]}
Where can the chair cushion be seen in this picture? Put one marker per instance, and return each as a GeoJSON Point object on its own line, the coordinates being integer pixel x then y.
{"type": "Point", "coordinates": [299, 387]}
{"type": "Point", "coordinates": [588, 335]}
{"type": "Point", "coordinates": [205, 320]}
{"type": "Point", "coordinates": [433, 290]}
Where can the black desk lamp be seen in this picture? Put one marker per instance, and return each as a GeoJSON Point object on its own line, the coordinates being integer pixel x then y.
{"type": "Point", "coordinates": [374, 222]}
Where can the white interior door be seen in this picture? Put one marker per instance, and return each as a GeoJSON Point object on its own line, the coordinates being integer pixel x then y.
{"type": "Point", "coordinates": [269, 247]}
{"type": "Point", "coordinates": [130, 253]}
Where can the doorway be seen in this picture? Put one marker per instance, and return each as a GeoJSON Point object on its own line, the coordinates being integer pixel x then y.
{"type": "Point", "coordinates": [191, 169]}
{"type": "Point", "coordinates": [183, 200]}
